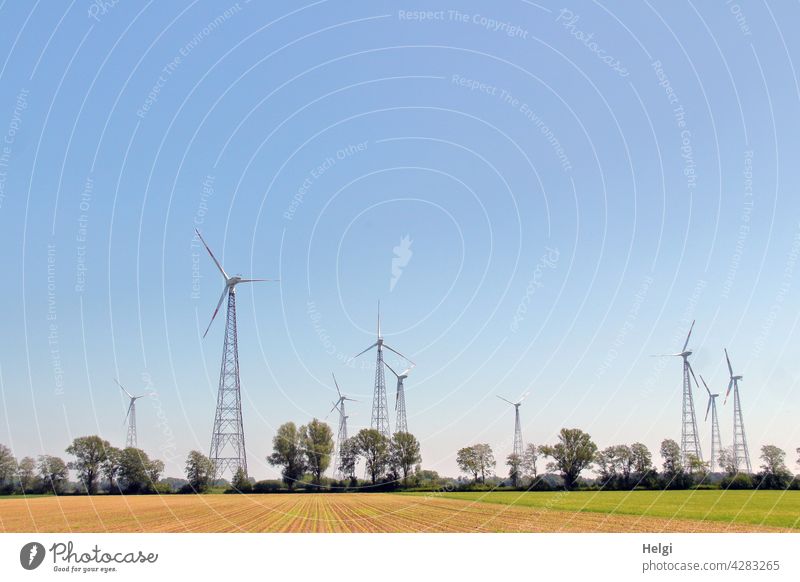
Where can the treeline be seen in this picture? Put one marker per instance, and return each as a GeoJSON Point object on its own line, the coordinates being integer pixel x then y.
{"type": "Point", "coordinates": [303, 455]}
{"type": "Point", "coordinates": [127, 470]}
{"type": "Point", "coordinates": [620, 467]}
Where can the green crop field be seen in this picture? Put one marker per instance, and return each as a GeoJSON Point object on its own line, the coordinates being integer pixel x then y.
{"type": "Point", "coordinates": [766, 508]}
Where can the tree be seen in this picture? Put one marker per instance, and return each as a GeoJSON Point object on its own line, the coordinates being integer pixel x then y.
{"type": "Point", "coordinates": [54, 473]}
{"type": "Point", "coordinates": [8, 467]}
{"type": "Point", "coordinates": [26, 474]}
{"type": "Point", "coordinates": [485, 458]}
{"type": "Point", "coordinates": [774, 474]}
{"type": "Point", "coordinates": [529, 458]}
{"type": "Point", "coordinates": [404, 453]}
{"type": "Point", "coordinates": [697, 468]}
{"type": "Point", "coordinates": [348, 457]}
{"type": "Point", "coordinates": [240, 481]}
{"type": "Point", "coordinates": [374, 447]}
{"type": "Point", "coordinates": [137, 473]}
{"type": "Point", "coordinates": [671, 453]}
{"type": "Point", "coordinates": [574, 452]}
{"type": "Point", "coordinates": [287, 452]}
{"type": "Point", "coordinates": [111, 466]}
{"type": "Point", "coordinates": [514, 463]}
{"type": "Point", "coordinates": [467, 461]}
{"type": "Point", "coordinates": [641, 458]}
{"type": "Point", "coordinates": [199, 471]}
{"type": "Point", "coordinates": [476, 460]}
{"type": "Point", "coordinates": [607, 465]}
{"type": "Point", "coordinates": [89, 453]}
{"type": "Point", "coordinates": [728, 462]}
{"type": "Point", "coordinates": [317, 440]}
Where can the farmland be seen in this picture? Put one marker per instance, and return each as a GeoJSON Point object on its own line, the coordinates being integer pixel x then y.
{"type": "Point", "coordinates": [376, 512]}
{"type": "Point", "coordinates": [771, 508]}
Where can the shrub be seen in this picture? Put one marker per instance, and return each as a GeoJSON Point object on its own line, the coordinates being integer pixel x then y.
{"type": "Point", "coordinates": [738, 481]}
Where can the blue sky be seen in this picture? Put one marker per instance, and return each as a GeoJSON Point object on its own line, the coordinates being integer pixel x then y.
{"type": "Point", "coordinates": [578, 181]}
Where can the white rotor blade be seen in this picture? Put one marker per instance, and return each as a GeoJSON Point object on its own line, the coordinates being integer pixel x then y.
{"type": "Point", "coordinates": [390, 368]}
{"type": "Point", "coordinates": [730, 368]}
{"type": "Point", "coordinates": [406, 371]}
{"type": "Point", "coordinates": [523, 397]}
{"type": "Point", "coordinates": [686, 343]}
{"type": "Point", "coordinates": [337, 384]}
{"type": "Point", "coordinates": [365, 351]}
{"type": "Point", "coordinates": [258, 280]}
{"type": "Point", "coordinates": [709, 406]}
{"type": "Point", "coordinates": [664, 355]}
{"type": "Point", "coordinates": [129, 412]}
{"type": "Point", "coordinates": [399, 354]}
{"type": "Point", "coordinates": [730, 385]}
{"type": "Point", "coordinates": [216, 262]}
{"type": "Point", "coordinates": [123, 388]}
{"type": "Point", "coordinates": [704, 384]}
{"type": "Point", "coordinates": [501, 398]}
{"type": "Point", "coordinates": [221, 297]}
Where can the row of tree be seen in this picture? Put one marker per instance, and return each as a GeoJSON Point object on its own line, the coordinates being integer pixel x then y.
{"type": "Point", "coordinates": [623, 466]}
{"type": "Point", "coordinates": [309, 449]}
{"type": "Point", "coordinates": [127, 470]}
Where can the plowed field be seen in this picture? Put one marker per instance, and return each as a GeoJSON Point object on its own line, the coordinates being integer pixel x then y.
{"type": "Point", "coordinates": [362, 512]}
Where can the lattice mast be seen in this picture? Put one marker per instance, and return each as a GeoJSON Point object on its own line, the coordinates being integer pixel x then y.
{"type": "Point", "coordinates": [690, 437]}
{"type": "Point", "coordinates": [130, 418]}
{"type": "Point", "coordinates": [227, 451]}
{"type": "Point", "coordinates": [716, 442]}
{"type": "Point", "coordinates": [740, 451]}
{"type": "Point", "coordinates": [380, 417]}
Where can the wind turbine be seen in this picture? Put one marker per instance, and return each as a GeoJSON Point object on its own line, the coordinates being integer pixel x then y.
{"type": "Point", "coordinates": [517, 426]}
{"type": "Point", "coordinates": [741, 453]}
{"type": "Point", "coordinates": [130, 418]}
{"type": "Point", "coordinates": [341, 436]}
{"type": "Point", "coordinates": [716, 442]}
{"type": "Point", "coordinates": [227, 438]}
{"type": "Point", "coordinates": [690, 439]}
{"type": "Point", "coordinates": [380, 418]}
{"type": "Point", "coordinates": [400, 399]}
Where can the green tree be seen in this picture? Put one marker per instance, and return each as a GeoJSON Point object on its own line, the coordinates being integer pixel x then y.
{"type": "Point", "coordinates": [529, 458]}
{"type": "Point", "coordinates": [485, 458]}
{"type": "Point", "coordinates": [54, 473]}
{"type": "Point", "coordinates": [574, 452]}
{"type": "Point", "coordinates": [728, 462]}
{"type": "Point", "coordinates": [774, 473]}
{"type": "Point", "coordinates": [641, 459]}
{"type": "Point", "coordinates": [514, 463]}
{"type": "Point", "coordinates": [199, 471]}
{"type": "Point", "coordinates": [137, 473]}
{"type": "Point", "coordinates": [608, 465]}
{"type": "Point", "coordinates": [8, 467]}
{"type": "Point", "coordinates": [89, 453]}
{"type": "Point", "coordinates": [348, 457]}
{"type": "Point", "coordinates": [404, 452]}
{"type": "Point", "coordinates": [112, 466]}
{"type": "Point", "coordinates": [26, 475]}
{"type": "Point", "coordinates": [287, 452]}
{"type": "Point", "coordinates": [317, 439]}
{"type": "Point", "coordinates": [240, 481]}
{"type": "Point", "coordinates": [671, 453]}
{"type": "Point", "coordinates": [467, 460]}
{"type": "Point", "coordinates": [374, 447]}
{"type": "Point", "coordinates": [697, 468]}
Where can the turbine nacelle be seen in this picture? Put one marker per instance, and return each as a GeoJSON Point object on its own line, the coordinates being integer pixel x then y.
{"type": "Point", "coordinates": [230, 282]}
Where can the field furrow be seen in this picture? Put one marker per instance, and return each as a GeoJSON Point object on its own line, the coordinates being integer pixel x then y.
{"type": "Point", "coordinates": [362, 512]}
